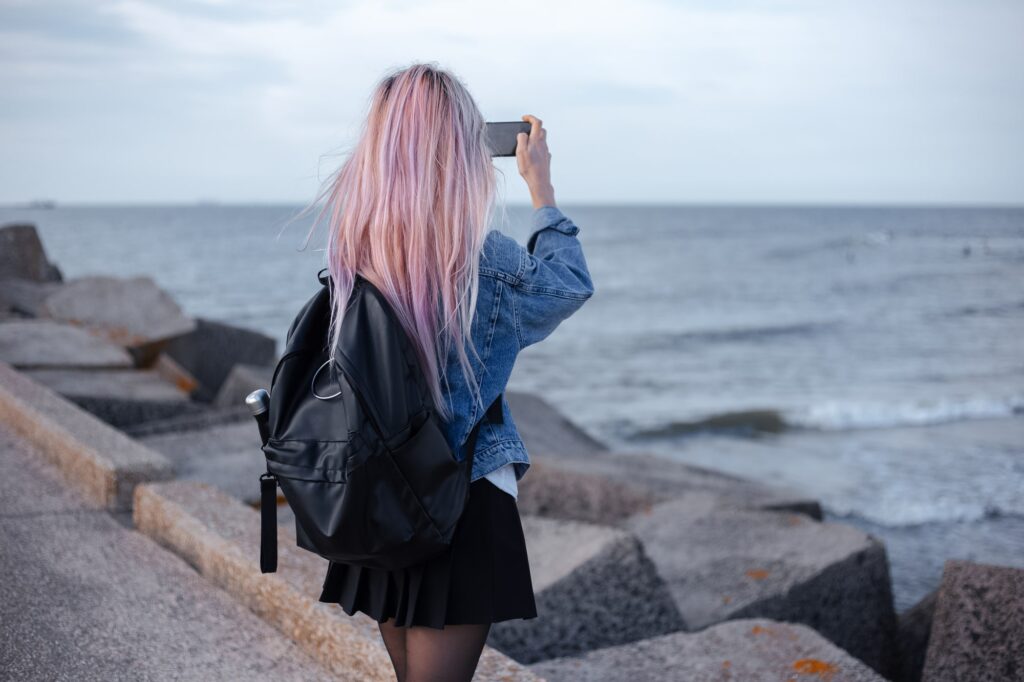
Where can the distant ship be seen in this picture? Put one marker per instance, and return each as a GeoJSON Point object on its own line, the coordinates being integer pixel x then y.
{"type": "Point", "coordinates": [42, 203]}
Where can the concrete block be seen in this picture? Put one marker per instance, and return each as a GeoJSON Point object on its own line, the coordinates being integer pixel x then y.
{"type": "Point", "coordinates": [594, 587]}
{"type": "Point", "coordinates": [225, 455]}
{"type": "Point", "coordinates": [86, 597]}
{"type": "Point", "coordinates": [551, 438]}
{"type": "Point", "coordinates": [118, 397]}
{"type": "Point", "coordinates": [122, 414]}
{"type": "Point", "coordinates": [723, 563]}
{"type": "Point", "coordinates": [123, 384]}
{"type": "Point", "coordinates": [241, 381]}
{"type": "Point", "coordinates": [26, 297]}
{"type": "Point", "coordinates": [22, 254]}
{"type": "Point", "coordinates": [104, 464]}
{"type": "Point", "coordinates": [569, 489]}
{"type": "Point", "coordinates": [40, 344]}
{"type": "Point", "coordinates": [210, 351]}
{"type": "Point", "coordinates": [556, 492]}
{"type": "Point", "coordinates": [978, 625]}
{"type": "Point", "coordinates": [203, 419]}
{"type": "Point", "coordinates": [547, 431]}
{"type": "Point", "coordinates": [745, 650]}
{"type": "Point", "coordinates": [116, 606]}
{"type": "Point", "coordinates": [132, 312]}
{"type": "Point", "coordinates": [32, 485]}
{"type": "Point", "coordinates": [170, 370]}
{"type": "Point", "coordinates": [669, 479]}
{"type": "Point", "coordinates": [219, 536]}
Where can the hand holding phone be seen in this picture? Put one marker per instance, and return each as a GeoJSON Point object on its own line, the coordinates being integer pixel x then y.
{"type": "Point", "coordinates": [534, 162]}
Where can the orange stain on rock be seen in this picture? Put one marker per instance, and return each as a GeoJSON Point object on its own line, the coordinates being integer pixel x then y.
{"type": "Point", "coordinates": [757, 573]}
{"type": "Point", "coordinates": [186, 385]}
{"type": "Point", "coordinates": [814, 666]}
{"type": "Point", "coordinates": [760, 630]}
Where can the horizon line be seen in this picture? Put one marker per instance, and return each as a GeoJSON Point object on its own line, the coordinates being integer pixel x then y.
{"type": "Point", "coordinates": [212, 203]}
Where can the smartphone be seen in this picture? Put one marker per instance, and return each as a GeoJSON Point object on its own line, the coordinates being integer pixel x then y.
{"type": "Point", "coordinates": [501, 136]}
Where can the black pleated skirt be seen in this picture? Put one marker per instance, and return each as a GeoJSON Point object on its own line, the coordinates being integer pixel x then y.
{"type": "Point", "coordinates": [483, 577]}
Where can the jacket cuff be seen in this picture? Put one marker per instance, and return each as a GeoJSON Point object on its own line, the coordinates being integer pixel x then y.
{"type": "Point", "coordinates": [549, 217]}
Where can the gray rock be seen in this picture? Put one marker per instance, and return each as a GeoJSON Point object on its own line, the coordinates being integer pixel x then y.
{"type": "Point", "coordinates": [132, 312]}
{"type": "Point", "coordinates": [99, 461]}
{"type": "Point", "coordinates": [594, 587]}
{"type": "Point", "coordinates": [86, 598]}
{"type": "Point", "coordinates": [124, 414]}
{"type": "Point", "coordinates": [122, 398]}
{"type": "Point", "coordinates": [25, 297]}
{"type": "Point", "coordinates": [747, 650]}
{"type": "Point", "coordinates": [978, 626]}
{"type": "Point", "coordinates": [672, 479]}
{"type": "Point", "coordinates": [227, 456]}
{"type": "Point", "coordinates": [22, 255]}
{"type": "Point", "coordinates": [213, 348]}
{"type": "Point", "coordinates": [915, 625]}
{"type": "Point", "coordinates": [556, 492]}
{"type": "Point", "coordinates": [552, 438]}
{"type": "Point", "coordinates": [203, 419]}
{"type": "Point", "coordinates": [38, 344]}
{"type": "Point", "coordinates": [724, 563]}
{"type": "Point", "coordinates": [170, 370]}
{"type": "Point", "coordinates": [547, 431]}
{"type": "Point", "coordinates": [607, 491]}
{"type": "Point", "coordinates": [121, 384]}
{"type": "Point", "coordinates": [119, 397]}
{"type": "Point", "coordinates": [243, 380]}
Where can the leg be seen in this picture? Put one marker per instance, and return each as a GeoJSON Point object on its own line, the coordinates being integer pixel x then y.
{"type": "Point", "coordinates": [447, 655]}
{"type": "Point", "coordinates": [394, 639]}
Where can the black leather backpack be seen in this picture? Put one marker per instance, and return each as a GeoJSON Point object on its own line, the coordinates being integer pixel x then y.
{"type": "Point", "coordinates": [358, 451]}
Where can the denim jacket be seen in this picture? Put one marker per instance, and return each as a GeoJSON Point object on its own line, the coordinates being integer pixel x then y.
{"type": "Point", "coordinates": [524, 294]}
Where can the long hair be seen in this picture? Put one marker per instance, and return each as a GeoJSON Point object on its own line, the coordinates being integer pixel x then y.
{"type": "Point", "coordinates": [409, 211]}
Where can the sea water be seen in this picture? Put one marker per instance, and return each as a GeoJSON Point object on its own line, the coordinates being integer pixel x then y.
{"type": "Point", "coordinates": [869, 357]}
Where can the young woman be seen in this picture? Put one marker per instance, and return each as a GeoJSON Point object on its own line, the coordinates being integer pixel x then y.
{"type": "Point", "coordinates": [410, 212]}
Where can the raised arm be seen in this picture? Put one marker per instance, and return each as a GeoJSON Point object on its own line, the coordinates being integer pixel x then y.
{"type": "Point", "coordinates": [554, 280]}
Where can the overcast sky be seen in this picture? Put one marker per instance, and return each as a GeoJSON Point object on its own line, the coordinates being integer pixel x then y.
{"type": "Point", "coordinates": [916, 101]}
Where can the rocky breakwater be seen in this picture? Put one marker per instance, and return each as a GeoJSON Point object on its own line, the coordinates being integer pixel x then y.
{"type": "Point", "coordinates": [121, 348]}
{"type": "Point", "coordinates": [644, 568]}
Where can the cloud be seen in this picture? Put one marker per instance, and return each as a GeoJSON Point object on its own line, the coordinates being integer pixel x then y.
{"type": "Point", "coordinates": [701, 101]}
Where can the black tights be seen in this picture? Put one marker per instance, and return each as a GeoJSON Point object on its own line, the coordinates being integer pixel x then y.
{"type": "Point", "coordinates": [425, 654]}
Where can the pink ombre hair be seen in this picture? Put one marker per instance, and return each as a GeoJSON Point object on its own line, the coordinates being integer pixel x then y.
{"type": "Point", "coordinates": [409, 210]}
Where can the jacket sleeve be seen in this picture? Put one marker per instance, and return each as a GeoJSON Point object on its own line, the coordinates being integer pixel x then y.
{"type": "Point", "coordinates": [553, 280]}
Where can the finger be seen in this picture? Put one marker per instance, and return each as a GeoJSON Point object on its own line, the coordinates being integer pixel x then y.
{"type": "Point", "coordinates": [535, 125]}
{"type": "Point", "coordinates": [521, 142]}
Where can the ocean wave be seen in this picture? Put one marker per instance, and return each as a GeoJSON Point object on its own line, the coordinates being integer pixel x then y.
{"type": "Point", "coordinates": [915, 515]}
{"type": "Point", "coordinates": [872, 238]}
{"type": "Point", "coordinates": [729, 335]}
{"type": "Point", "coordinates": [843, 416]}
{"type": "Point", "coordinates": [836, 416]}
